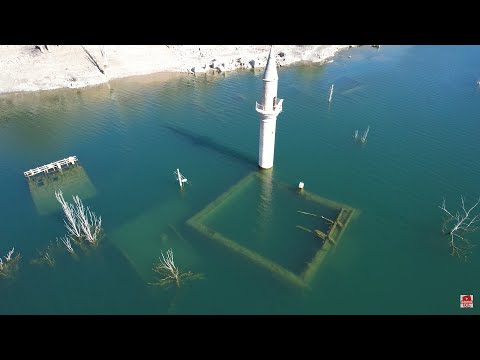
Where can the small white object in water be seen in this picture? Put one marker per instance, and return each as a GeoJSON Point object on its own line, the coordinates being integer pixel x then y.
{"type": "Point", "coordinates": [349, 56]}
{"type": "Point", "coordinates": [301, 185]}
{"type": "Point", "coordinates": [181, 179]}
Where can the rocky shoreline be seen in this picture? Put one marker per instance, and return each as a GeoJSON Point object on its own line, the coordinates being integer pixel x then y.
{"type": "Point", "coordinates": [47, 67]}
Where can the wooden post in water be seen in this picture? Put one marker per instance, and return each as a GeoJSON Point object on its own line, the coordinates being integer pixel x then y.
{"type": "Point", "coordinates": [331, 93]}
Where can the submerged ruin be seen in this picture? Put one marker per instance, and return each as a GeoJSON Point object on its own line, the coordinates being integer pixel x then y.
{"type": "Point", "coordinates": [71, 178]}
{"type": "Point", "coordinates": [277, 241]}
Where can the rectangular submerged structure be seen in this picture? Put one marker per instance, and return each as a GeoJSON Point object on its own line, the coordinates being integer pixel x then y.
{"type": "Point", "coordinates": [278, 227]}
{"type": "Point", "coordinates": [66, 175]}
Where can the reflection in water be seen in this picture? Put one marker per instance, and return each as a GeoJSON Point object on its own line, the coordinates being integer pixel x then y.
{"type": "Point", "coordinates": [264, 204]}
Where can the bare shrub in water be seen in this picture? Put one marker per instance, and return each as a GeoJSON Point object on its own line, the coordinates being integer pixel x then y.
{"type": "Point", "coordinates": [81, 222]}
{"type": "Point", "coordinates": [172, 274]}
{"type": "Point", "coordinates": [10, 266]}
{"type": "Point", "coordinates": [457, 225]}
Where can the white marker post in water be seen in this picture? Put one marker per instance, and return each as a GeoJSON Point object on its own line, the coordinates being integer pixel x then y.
{"type": "Point", "coordinates": [181, 179]}
{"type": "Point", "coordinates": [331, 93]}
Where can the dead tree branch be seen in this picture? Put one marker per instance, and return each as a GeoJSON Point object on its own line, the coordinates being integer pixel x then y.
{"type": "Point", "coordinates": [457, 225]}
{"type": "Point", "coordinates": [72, 223]}
{"type": "Point", "coordinates": [172, 275]}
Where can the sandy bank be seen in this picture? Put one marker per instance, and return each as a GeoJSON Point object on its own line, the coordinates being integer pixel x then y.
{"type": "Point", "coordinates": [33, 68]}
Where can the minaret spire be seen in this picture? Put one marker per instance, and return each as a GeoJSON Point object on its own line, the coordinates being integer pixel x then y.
{"type": "Point", "coordinates": [269, 110]}
{"type": "Point", "coordinates": [270, 73]}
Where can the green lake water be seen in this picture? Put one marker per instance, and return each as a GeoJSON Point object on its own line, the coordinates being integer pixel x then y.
{"type": "Point", "coordinates": [423, 108]}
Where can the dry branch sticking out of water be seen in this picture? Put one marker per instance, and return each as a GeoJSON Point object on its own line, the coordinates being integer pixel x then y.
{"type": "Point", "coordinates": [171, 273]}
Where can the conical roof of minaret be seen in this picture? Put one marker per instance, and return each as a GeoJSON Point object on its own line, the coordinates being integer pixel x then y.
{"type": "Point", "coordinates": [271, 67]}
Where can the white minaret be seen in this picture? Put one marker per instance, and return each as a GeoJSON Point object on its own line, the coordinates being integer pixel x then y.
{"type": "Point", "coordinates": [269, 110]}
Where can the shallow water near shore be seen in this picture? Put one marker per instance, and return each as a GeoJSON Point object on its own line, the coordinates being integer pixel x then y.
{"type": "Point", "coordinates": [421, 103]}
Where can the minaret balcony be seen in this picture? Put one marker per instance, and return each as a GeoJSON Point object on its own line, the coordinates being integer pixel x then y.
{"type": "Point", "coordinates": [277, 108]}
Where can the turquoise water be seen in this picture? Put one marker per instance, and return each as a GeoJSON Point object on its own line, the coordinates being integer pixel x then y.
{"type": "Point", "coordinates": [422, 106]}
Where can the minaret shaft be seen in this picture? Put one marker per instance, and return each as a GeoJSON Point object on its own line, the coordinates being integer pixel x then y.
{"type": "Point", "coordinates": [269, 109]}
{"type": "Point", "coordinates": [266, 145]}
